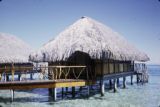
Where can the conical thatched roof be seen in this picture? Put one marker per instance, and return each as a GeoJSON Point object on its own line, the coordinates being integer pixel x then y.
{"type": "Point", "coordinates": [13, 50]}
{"type": "Point", "coordinates": [89, 36]}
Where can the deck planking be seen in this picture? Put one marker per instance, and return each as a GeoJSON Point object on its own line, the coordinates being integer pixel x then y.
{"type": "Point", "coordinates": [31, 84]}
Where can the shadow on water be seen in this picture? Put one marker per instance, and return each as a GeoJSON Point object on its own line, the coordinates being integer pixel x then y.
{"type": "Point", "coordinates": [42, 95]}
{"type": "Point", "coordinates": [26, 99]}
{"type": "Point", "coordinates": [41, 91]}
{"type": "Point", "coordinates": [5, 100]}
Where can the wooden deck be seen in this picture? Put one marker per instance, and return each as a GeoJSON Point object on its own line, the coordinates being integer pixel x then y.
{"type": "Point", "coordinates": [31, 84]}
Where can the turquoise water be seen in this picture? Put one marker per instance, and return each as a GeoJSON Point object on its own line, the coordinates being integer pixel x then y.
{"type": "Point", "coordinates": [147, 95]}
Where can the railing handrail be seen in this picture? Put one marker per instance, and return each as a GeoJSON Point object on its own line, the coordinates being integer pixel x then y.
{"type": "Point", "coordinates": [10, 68]}
{"type": "Point", "coordinates": [59, 71]}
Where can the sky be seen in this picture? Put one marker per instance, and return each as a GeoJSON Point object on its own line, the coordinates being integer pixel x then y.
{"type": "Point", "coordinates": [38, 21]}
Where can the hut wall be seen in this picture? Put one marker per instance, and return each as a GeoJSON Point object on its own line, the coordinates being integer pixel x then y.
{"type": "Point", "coordinates": [105, 68]}
{"type": "Point", "coordinates": [112, 67]}
{"type": "Point", "coordinates": [117, 68]}
{"type": "Point", "coordinates": [95, 66]}
{"type": "Point", "coordinates": [121, 67]}
{"type": "Point", "coordinates": [125, 67]}
{"type": "Point", "coordinates": [98, 69]}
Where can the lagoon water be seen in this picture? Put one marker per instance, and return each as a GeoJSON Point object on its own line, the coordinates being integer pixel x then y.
{"type": "Point", "coordinates": [147, 95]}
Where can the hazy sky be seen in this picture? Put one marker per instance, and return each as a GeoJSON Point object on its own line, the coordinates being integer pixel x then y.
{"type": "Point", "coordinates": [38, 21]}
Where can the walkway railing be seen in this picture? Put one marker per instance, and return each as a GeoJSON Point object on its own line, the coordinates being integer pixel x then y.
{"type": "Point", "coordinates": [141, 71]}
{"type": "Point", "coordinates": [68, 72]}
{"type": "Point", "coordinates": [46, 72]}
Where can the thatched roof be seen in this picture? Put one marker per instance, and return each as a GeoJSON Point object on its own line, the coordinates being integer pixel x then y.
{"type": "Point", "coordinates": [13, 50]}
{"type": "Point", "coordinates": [92, 37]}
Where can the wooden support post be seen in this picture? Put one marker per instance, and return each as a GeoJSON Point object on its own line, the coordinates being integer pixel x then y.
{"type": "Point", "coordinates": [142, 79]}
{"type": "Point", "coordinates": [117, 81]}
{"type": "Point", "coordinates": [7, 77]}
{"type": "Point", "coordinates": [110, 84]}
{"type": "Point", "coordinates": [124, 82]}
{"type": "Point", "coordinates": [102, 88]}
{"type": "Point", "coordinates": [131, 79]}
{"type": "Point", "coordinates": [73, 92]}
{"type": "Point", "coordinates": [54, 94]}
{"type": "Point", "coordinates": [80, 88]}
{"type": "Point", "coordinates": [19, 77]}
{"type": "Point", "coordinates": [62, 92]}
{"type": "Point", "coordinates": [31, 76]}
{"type": "Point", "coordinates": [66, 89]}
{"type": "Point", "coordinates": [137, 78]}
{"type": "Point", "coordinates": [49, 77]}
{"type": "Point", "coordinates": [88, 91]}
{"type": "Point", "coordinates": [12, 95]}
{"type": "Point", "coordinates": [50, 91]}
{"type": "Point", "coordinates": [115, 85]}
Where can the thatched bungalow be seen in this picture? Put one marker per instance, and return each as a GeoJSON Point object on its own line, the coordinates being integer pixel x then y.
{"type": "Point", "coordinates": [14, 54]}
{"type": "Point", "coordinates": [90, 43]}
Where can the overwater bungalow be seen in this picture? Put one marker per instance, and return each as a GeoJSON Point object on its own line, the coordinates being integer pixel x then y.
{"type": "Point", "coordinates": [91, 51]}
{"type": "Point", "coordinates": [14, 55]}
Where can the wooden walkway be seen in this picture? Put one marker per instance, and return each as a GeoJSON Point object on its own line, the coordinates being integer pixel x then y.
{"type": "Point", "coordinates": [31, 84]}
{"type": "Point", "coordinates": [50, 84]}
{"type": "Point", "coordinates": [58, 77]}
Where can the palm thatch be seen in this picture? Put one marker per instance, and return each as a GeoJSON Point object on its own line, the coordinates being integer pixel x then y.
{"type": "Point", "coordinates": [13, 50]}
{"type": "Point", "coordinates": [91, 37]}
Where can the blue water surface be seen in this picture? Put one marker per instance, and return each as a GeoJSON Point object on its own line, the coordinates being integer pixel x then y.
{"type": "Point", "coordinates": [136, 95]}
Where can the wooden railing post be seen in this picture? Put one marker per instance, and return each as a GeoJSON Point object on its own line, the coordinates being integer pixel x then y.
{"type": "Point", "coordinates": [13, 70]}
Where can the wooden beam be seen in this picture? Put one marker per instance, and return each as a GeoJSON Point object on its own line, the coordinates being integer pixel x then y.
{"type": "Point", "coordinates": [54, 94]}
{"type": "Point", "coordinates": [62, 92]}
{"type": "Point", "coordinates": [110, 84]}
{"type": "Point", "coordinates": [118, 81]}
{"type": "Point", "coordinates": [73, 92]}
{"type": "Point", "coordinates": [124, 82]}
{"type": "Point", "coordinates": [115, 85]}
{"type": "Point", "coordinates": [131, 79]}
{"type": "Point", "coordinates": [70, 84]}
{"type": "Point", "coordinates": [102, 87]}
